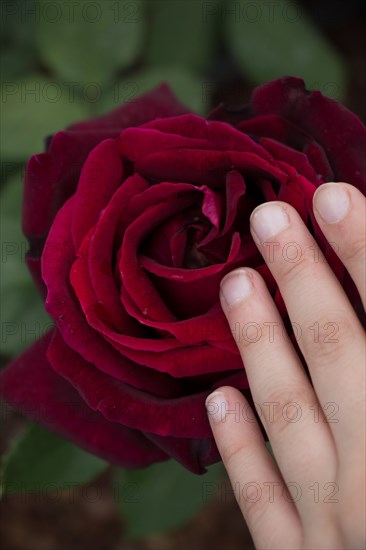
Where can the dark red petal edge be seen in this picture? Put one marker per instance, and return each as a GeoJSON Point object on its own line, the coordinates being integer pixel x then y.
{"type": "Point", "coordinates": [30, 385]}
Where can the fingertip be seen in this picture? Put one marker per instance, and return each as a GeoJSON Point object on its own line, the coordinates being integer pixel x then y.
{"type": "Point", "coordinates": [332, 202]}
{"type": "Point", "coordinates": [235, 287]}
{"type": "Point", "coordinates": [340, 209]}
{"type": "Point", "coordinates": [216, 405]}
{"type": "Point", "coordinates": [228, 404]}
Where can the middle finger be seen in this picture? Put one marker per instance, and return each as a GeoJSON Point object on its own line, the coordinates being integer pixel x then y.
{"type": "Point", "coordinates": [329, 333]}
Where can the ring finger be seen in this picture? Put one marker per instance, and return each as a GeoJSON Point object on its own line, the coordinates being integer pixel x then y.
{"type": "Point", "coordinates": [281, 390]}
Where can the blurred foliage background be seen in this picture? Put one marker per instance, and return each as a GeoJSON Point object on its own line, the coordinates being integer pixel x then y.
{"type": "Point", "coordinates": [66, 61]}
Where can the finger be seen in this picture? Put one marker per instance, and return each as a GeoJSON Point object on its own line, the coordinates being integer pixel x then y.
{"type": "Point", "coordinates": [283, 395]}
{"type": "Point", "coordinates": [259, 489]}
{"type": "Point", "coordinates": [331, 336]}
{"type": "Point", "coordinates": [340, 210]}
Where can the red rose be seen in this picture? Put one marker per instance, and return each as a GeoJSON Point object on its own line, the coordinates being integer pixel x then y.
{"type": "Point", "coordinates": [133, 219]}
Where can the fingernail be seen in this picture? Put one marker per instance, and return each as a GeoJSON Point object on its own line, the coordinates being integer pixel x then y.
{"type": "Point", "coordinates": [236, 286]}
{"type": "Point", "coordinates": [216, 406]}
{"type": "Point", "coordinates": [268, 220]}
{"type": "Point", "coordinates": [332, 202]}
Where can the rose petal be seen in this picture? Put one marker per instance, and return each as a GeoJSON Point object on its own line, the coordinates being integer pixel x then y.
{"type": "Point", "coordinates": [118, 402]}
{"type": "Point", "coordinates": [51, 401]}
{"type": "Point", "coordinates": [188, 125]}
{"type": "Point", "coordinates": [186, 361]}
{"type": "Point", "coordinates": [100, 178]}
{"type": "Point", "coordinates": [203, 166]}
{"type": "Point", "coordinates": [136, 143]}
{"type": "Point", "coordinates": [63, 306]}
{"type": "Point", "coordinates": [293, 158]}
{"type": "Point", "coordinates": [133, 334]}
{"type": "Point", "coordinates": [318, 159]}
{"type": "Point", "coordinates": [116, 216]}
{"type": "Point", "coordinates": [135, 282]}
{"type": "Point", "coordinates": [276, 127]}
{"type": "Point", "coordinates": [193, 454]}
{"type": "Point", "coordinates": [51, 178]}
{"type": "Point", "coordinates": [338, 130]}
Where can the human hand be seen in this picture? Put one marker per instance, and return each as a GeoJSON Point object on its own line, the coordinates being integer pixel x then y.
{"type": "Point", "coordinates": [313, 497]}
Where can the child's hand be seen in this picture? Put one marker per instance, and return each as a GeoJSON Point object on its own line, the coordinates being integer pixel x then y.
{"type": "Point", "coordinates": [317, 431]}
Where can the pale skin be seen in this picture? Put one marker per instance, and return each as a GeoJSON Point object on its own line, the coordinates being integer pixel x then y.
{"type": "Point", "coordinates": [312, 496]}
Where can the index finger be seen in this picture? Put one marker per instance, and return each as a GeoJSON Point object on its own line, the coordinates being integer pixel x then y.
{"type": "Point", "coordinates": [340, 210]}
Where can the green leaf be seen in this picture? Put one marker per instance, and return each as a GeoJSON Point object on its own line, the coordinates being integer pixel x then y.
{"type": "Point", "coordinates": [164, 496]}
{"type": "Point", "coordinates": [18, 52]}
{"type": "Point", "coordinates": [17, 21]}
{"type": "Point", "coordinates": [91, 41]}
{"type": "Point", "coordinates": [11, 192]}
{"type": "Point", "coordinates": [23, 318]}
{"type": "Point", "coordinates": [13, 64]}
{"type": "Point", "coordinates": [187, 87]}
{"type": "Point", "coordinates": [182, 33]}
{"type": "Point", "coordinates": [22, 314]}
{"type": "Point", "coordinates": [32, 109]}
{"type": "Point", "coordinates": [17, 24]}
{"type": "Point", "coordinates": [42, 461]}
{"type": "Point", "coordinates": [271, 40]}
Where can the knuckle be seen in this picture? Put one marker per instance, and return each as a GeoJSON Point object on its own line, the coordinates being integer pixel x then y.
{"type": "Point", "coordinates": [248, 492]}
{"type": "Point", "coordinates": [331, 341]}
{"type": "Point", "coordinates": [286, 406]}
{"type": "Point", "coordinates": [232, 455]}
{"type": "Point", "coordinates": [246, 326]}
{"type": "Point", "coordinates": [249, 333]}
{"type": "Point", "coordinates": [355, 251]}
{"type": "Point", "coordinates": [290, 271]}
{"type": "Point", "coordinates": [254, 504]}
